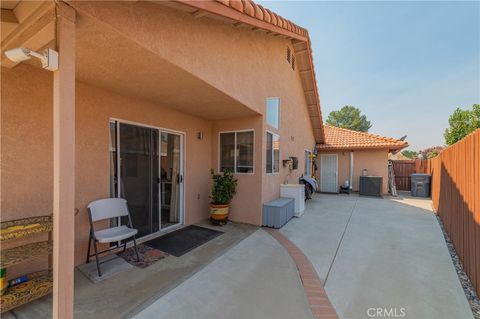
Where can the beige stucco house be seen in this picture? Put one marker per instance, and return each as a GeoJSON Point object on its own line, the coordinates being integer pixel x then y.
{"type": "Point", "coordinates": [147, 98]}
{"type": "Point", "coordinates": [346, 154]}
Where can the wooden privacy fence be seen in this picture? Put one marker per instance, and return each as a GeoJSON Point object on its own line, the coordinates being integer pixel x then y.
{"type": "Point", "coordinates": [455, 190]}
{"type": "Point", "coordinates": [402, 169]}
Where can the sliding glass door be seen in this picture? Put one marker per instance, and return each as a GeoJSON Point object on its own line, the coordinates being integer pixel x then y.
{"type": "Point", "coordinates": [138, 172]}
{"type": "Point", "coordinates": [171, 178]}
{"type": "Point", "coordinates": [148, 162]}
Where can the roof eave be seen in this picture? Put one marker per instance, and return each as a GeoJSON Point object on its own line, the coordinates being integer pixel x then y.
{"type": "Point", "coordinates": [219, 8]}
{"type": "Point", "coordinates": [288, 30]}
{"type": "Point", "coordinates": [323, 147]}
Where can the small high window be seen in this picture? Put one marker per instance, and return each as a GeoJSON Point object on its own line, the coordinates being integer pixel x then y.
{"type": "Point", "coordinates": [273, 153]}
{"type": "Point", "coordinates": [273, 112]}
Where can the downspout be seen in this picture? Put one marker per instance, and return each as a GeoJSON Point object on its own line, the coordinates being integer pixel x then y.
{"type": "Point", "coordinates": [351, 169]}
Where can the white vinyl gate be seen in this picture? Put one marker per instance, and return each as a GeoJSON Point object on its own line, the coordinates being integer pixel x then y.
{"type": "Point", "coordinates": [328, 173]}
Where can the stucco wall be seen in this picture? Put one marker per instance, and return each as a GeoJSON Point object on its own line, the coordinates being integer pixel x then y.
{"type": "Point", "coordinates": [295, 137]}
{"type": "Point", "coordinates": [375, 161]}
{"type": "Point", "coordinates": [26, 171]}
{"type": "Point", "coordinates": [92, 150]}
{"type": "Point", "coordinates": [248, 66]}
{"type": "Point", "coordinates": [246, 205]}
{"type": "Point", "coordinates": [27, 147]}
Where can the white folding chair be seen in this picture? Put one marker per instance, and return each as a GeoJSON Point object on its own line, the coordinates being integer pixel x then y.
{"type": "Point", "coordinates": [105, 209]}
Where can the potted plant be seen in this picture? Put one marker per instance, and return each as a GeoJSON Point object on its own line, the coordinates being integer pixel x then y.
{"type": "Point", "coordinates": [223, 190]}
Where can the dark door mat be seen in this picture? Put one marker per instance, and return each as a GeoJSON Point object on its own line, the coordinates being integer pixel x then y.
{"type": "Point", "coordinates": [183, 240]}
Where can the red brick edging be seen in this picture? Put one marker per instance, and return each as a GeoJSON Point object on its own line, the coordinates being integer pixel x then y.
{"type": "Point", "coordinates": [317, 298]}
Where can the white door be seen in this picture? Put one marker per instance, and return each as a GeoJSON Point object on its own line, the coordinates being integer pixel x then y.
{"type": "Point", "coordinates": [328, 173]}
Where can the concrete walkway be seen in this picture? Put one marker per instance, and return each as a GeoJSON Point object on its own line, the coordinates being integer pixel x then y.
{"type": "Point", "coordinates": [380, 253]}
{"type": "Point", "coordinates": [129, 292]}
{"type": "Point", "coordinates": [255, 279]}
{"type": "Point", "coordinates": [377, 258]}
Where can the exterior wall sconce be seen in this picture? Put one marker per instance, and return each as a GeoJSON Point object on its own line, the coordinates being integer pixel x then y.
{"type": "Point", "coordinates": [200, 135]}
{"type": "Point", "coordinates": [49, 57]}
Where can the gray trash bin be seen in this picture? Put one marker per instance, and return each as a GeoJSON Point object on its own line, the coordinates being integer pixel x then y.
{"type": "Point", "coordinates": [420, 185]}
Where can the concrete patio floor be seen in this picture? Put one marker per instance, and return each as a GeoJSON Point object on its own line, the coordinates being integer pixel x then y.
{"type": "Point", "coordinates": [368, 252]}
{"type": "Point", "coordinates": [380, 253]}
{"type": "Point", "coordinates": [130, 291]}
{"type": "Point", "coordinates": [255, 279]}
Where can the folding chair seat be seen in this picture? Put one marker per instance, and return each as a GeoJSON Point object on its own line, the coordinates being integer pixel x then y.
{"type": "Point", "coordinates": [104, 209]}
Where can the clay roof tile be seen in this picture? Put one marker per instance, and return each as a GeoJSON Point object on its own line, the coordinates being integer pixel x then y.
{"type": "Point", "coordinates": [342, 138]}
{"type": "Point", "coordinates": [249, 8]}
{"type": "Point", "coordinates": [258, 12]}
{"type": "Point", "coordinates": [274, 18]}
{"type": "Point", "coordinates": [267, 15]}
{"type": "Point", "coordinates": [237, 5]}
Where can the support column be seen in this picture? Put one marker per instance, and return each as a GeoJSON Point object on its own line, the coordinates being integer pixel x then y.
{"type": "Point", "coordinates": [64, 164]}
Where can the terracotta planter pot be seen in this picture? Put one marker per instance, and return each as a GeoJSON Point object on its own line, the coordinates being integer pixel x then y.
{"type": "Point", "coordinates": [219, 213]}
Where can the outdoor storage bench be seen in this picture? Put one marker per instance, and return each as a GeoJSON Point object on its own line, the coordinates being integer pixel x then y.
{"type": "Point", "coordinates": [278, 212]}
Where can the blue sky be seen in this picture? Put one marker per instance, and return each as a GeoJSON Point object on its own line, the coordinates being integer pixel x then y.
{"type": "Point", "coordinates": [406, 65]}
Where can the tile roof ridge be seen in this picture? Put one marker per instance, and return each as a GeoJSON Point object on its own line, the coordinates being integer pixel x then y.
{"type": "Point", "coordinates": [367, 134]}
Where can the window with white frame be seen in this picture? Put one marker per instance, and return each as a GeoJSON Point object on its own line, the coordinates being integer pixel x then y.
{"type": "Point", "coordinates": [273, 153]}
{"type": "Point", "coordinates": [236, 151]}
{"type": "Point", "coordinates": [273, 111]}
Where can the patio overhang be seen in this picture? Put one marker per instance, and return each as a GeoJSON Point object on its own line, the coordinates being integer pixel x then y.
{"type": "Point", "coordinates": [29, 24]}
{"type": "Point", "coordinates": [109, 60]}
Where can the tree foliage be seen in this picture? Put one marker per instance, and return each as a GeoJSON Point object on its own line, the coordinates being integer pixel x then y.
{"type": "Point", "coordinates": [409, 154]}
{"type": "Point", "coordinates": [430, 152]}
{"type": "Point", "coordinates": [349, 117]}
{"type": "Point", "coordinates": [461, 123]}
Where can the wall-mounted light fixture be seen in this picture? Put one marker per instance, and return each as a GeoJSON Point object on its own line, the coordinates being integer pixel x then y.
{"type": "Point", "coordinates": [200, 135]}
{"type": "Point", "coordinates": [49, 57]}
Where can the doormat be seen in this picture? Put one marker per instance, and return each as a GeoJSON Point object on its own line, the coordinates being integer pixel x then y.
{"type": "Point", "coordinates": [148, 255]}
{"type": "Point", "coordinates": [183, 240]}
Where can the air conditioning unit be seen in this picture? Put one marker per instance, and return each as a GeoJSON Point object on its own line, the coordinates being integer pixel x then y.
{"type": "Point", "coordinates": [371, 185]}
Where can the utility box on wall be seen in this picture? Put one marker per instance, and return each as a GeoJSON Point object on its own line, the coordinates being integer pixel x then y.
{"type": "Point", "coordinates": [294, 162]}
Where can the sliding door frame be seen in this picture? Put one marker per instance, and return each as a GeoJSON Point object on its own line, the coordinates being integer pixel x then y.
{"type": "Point", "coordinates": [181, 208]}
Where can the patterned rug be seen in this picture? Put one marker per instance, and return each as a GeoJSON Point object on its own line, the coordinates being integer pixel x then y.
{"type": "Point", "coordinates": [147, 254]}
